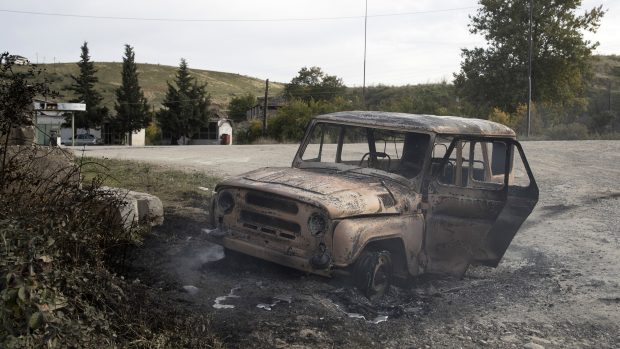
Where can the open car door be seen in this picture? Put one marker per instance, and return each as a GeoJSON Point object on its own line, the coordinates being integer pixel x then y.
{"type": "Point", "coordinates": [521, 197]}
{"type": "Point", "coordinates": [476, 203]}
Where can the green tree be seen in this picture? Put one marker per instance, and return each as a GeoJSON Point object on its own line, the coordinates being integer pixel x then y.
{"type": "Point", "coordinates": [84, 89]}
{"type": "Point", "coordinates": [290, 122]}
{"type": "Point", "coordinates": [238, 106]}
{"type": "Point", "coordinates": [496, 76]}
{"type": "Point", "coordinates": [18, 87]}
{"type": "Point", "coordinates": [185, 107]}
{"type": "Point", "coordinates": [132, 110]}
{"type": "Point", "coordinates": [313, 84]}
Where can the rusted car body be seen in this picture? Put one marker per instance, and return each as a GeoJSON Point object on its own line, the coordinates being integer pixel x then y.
{"type": "Point", "coordinates": [382, 195]}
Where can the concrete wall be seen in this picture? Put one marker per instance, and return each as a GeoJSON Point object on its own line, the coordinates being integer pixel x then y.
{"type": "Point", "coordinates": [225, 128]}
{"type": "Point", "coordinates": [138, 138]}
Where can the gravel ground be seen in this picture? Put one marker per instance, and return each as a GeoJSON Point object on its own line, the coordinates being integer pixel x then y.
{"type": "Point", "coordinates": [558, 285]}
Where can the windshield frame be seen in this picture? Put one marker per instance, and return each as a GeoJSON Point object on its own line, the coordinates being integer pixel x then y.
{"type": "Point", "coordinates": [342, 168]}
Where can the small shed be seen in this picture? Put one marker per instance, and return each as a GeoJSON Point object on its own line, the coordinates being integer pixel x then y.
{"type": "Point", "coordinates": [217, 131]}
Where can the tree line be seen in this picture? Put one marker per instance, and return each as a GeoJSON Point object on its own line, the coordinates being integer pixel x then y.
{"type": "Point", "coordinates": [184, 108]}
{"type": "Point", "coordinates": [492, 82]}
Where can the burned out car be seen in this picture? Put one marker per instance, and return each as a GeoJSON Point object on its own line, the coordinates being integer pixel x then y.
{"type": "Point", "coordinates": [382, 195]}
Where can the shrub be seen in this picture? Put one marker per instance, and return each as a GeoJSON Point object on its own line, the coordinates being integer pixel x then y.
{"type": "Point", "coordinates": [62, 246]}
{"type": "Point", "coordinates": [571, 131]}
{"type": "Point", "coordinates": [291, 120]}
{"type": "Point", "coordinates": [153, 134]}
{"type": "Point", "coordinates": [500, 116]}
{"type": "Point", "coordinates": [61, 242]}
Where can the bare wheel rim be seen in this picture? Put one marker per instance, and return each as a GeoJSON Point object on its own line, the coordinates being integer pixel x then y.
{"type": "Point", "coordinates": [380, 275]}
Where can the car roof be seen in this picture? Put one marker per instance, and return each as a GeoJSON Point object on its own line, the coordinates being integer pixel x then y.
{"type": "Point", "coordinates": [445, 125]}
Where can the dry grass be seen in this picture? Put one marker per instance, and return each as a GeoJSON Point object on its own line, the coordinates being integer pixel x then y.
{"type": "Point", "coordinates": [173, 187]}
{"type": "Point", "coordinates": [153, 77]}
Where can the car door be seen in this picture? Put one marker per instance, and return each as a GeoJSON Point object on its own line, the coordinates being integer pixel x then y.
{"type": "Point", "coordinates": [473, 211]}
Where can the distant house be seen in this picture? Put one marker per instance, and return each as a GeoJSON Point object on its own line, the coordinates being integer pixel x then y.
{"type": "Point", "coordinates": [273, 104]}
{"type": "Point", "coordinates": [219, 130]}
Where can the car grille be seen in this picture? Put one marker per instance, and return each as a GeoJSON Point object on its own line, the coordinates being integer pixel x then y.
{"type": "Point", "coordinates": [269, 224]}
{"type": "Point", "coordinates": [271, 201]}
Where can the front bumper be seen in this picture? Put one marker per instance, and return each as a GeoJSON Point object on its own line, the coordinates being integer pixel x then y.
{"type": "Point", "coordinates": [223, 237]}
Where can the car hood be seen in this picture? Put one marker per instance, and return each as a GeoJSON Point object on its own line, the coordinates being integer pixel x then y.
{"type": "Point", "coordinates": [340, 194]}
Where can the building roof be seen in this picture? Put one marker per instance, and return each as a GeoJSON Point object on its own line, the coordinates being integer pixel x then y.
{"type": "Point", "coordinates": [447, 125]}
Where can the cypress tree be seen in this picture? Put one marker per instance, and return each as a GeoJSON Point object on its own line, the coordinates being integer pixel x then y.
{"type": "Point", "coordinates": [132, 110]}
{"type": "Point", "coordinates": [185, 107]}
{"type": "Point", "coordinates": [84, 89]}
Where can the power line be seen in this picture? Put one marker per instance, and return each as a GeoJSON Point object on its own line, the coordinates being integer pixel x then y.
{"type": "Point", "coordinates": [167, 19]}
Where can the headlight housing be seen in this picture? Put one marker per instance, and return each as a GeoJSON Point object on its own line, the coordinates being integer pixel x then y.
{"type": "Point", "coordinates": [226, 202]}
{"type": "Point", "coordinates": [317, 224]}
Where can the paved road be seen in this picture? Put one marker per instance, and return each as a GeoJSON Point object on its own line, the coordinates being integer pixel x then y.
{"type": "Point", "coordinates": [220, 160]}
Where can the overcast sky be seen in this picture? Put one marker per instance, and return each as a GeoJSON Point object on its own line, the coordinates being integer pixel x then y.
{"type": "Point", "coordinates": [415, 42]}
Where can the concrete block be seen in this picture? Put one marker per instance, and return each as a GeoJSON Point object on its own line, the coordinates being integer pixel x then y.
{"type": "Point", "coordinates": [22, 135]}
{"type": "Point", "coordinates": [139, 208]}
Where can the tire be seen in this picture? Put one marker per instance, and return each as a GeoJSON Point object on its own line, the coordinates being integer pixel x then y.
{"type": "Point", "coordinates": [373, 273]}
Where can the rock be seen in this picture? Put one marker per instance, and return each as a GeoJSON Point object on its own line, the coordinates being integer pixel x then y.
{"type": "Point", "coordinates": [539, 340]}
{"type": "Point", "coordinates": [280, 343]}
{"type": "Point", "coordinates": [190, 289]}
{"type": "Point", "coordinates": [532, 345]}
{"type": "Point", "coordinates": [138, 208]}
{"type": "Point", "coordinates": [45, 167]}
{"type": "Point", "coordinates": [150, 208]}
{"type": "Point", "coordinates": [23, 135]}
{"type": "Point", "coordinates": [308, 333]}
{"type": "Point", "coordinates": [511, 338]}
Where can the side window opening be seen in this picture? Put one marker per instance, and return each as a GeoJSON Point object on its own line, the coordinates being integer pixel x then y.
{"type": "Point", "coordinates": [498, 158]}
{"type": "Point", "coordinates": [415, 146]}
{"type": "Point", "coordinates": [474, 164]}
{"type": "Point", "coordinates": [440, 147]}
{"type": "Point", "coordinates": [322, 144]}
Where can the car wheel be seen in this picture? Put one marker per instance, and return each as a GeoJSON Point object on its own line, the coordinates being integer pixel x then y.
{"type": "Point", "coordinates": [373, 273]}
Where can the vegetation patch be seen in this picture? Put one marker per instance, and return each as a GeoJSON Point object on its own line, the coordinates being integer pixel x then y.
{"type": "Point", "coordinates": [175, 188]}
{"type": "Point", "coordinates": [61, 258]}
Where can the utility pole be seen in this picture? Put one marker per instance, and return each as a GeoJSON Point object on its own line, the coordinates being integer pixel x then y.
{"type": "Point", "coordinates": [72, 129]}
{"type": "Point", "coordinates": [364, 81]}
{"type": "Point", "coordinates": [609, 95]}
{"type": "Point", "coordinates": [529, 72]}
{"type": "Point", "coordinates": [265, 108]}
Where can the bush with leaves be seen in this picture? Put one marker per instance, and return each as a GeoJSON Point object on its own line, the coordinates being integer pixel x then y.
{"type": "Point", "coordinates": [18, 88]}
{"type": "Point", "coordinates": [61, 243]}
{"type": "Point", "coordinates": [291, 120]}
{"type": "Point", "coordinates": [572, 131]}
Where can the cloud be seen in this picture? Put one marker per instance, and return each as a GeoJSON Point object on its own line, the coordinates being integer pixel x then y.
{"type": "Point", "coordinates": [403, 49]}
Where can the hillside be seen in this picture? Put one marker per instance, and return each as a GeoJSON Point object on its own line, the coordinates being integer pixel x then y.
{"type": "Point", "coordinates": [605, 84]}
{"type": "Point", "coordinates": [222, 86]}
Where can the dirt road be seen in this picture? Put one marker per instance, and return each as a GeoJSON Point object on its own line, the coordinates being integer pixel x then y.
{"type": "Point", "coordinates": [558, 285]}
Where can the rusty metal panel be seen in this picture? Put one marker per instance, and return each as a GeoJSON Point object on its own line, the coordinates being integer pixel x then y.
{"type": "Point", "coordinates": [319, 219]}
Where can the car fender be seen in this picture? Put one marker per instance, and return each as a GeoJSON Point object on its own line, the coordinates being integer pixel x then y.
{"type": "Point", "coordinates": [352, 235]}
